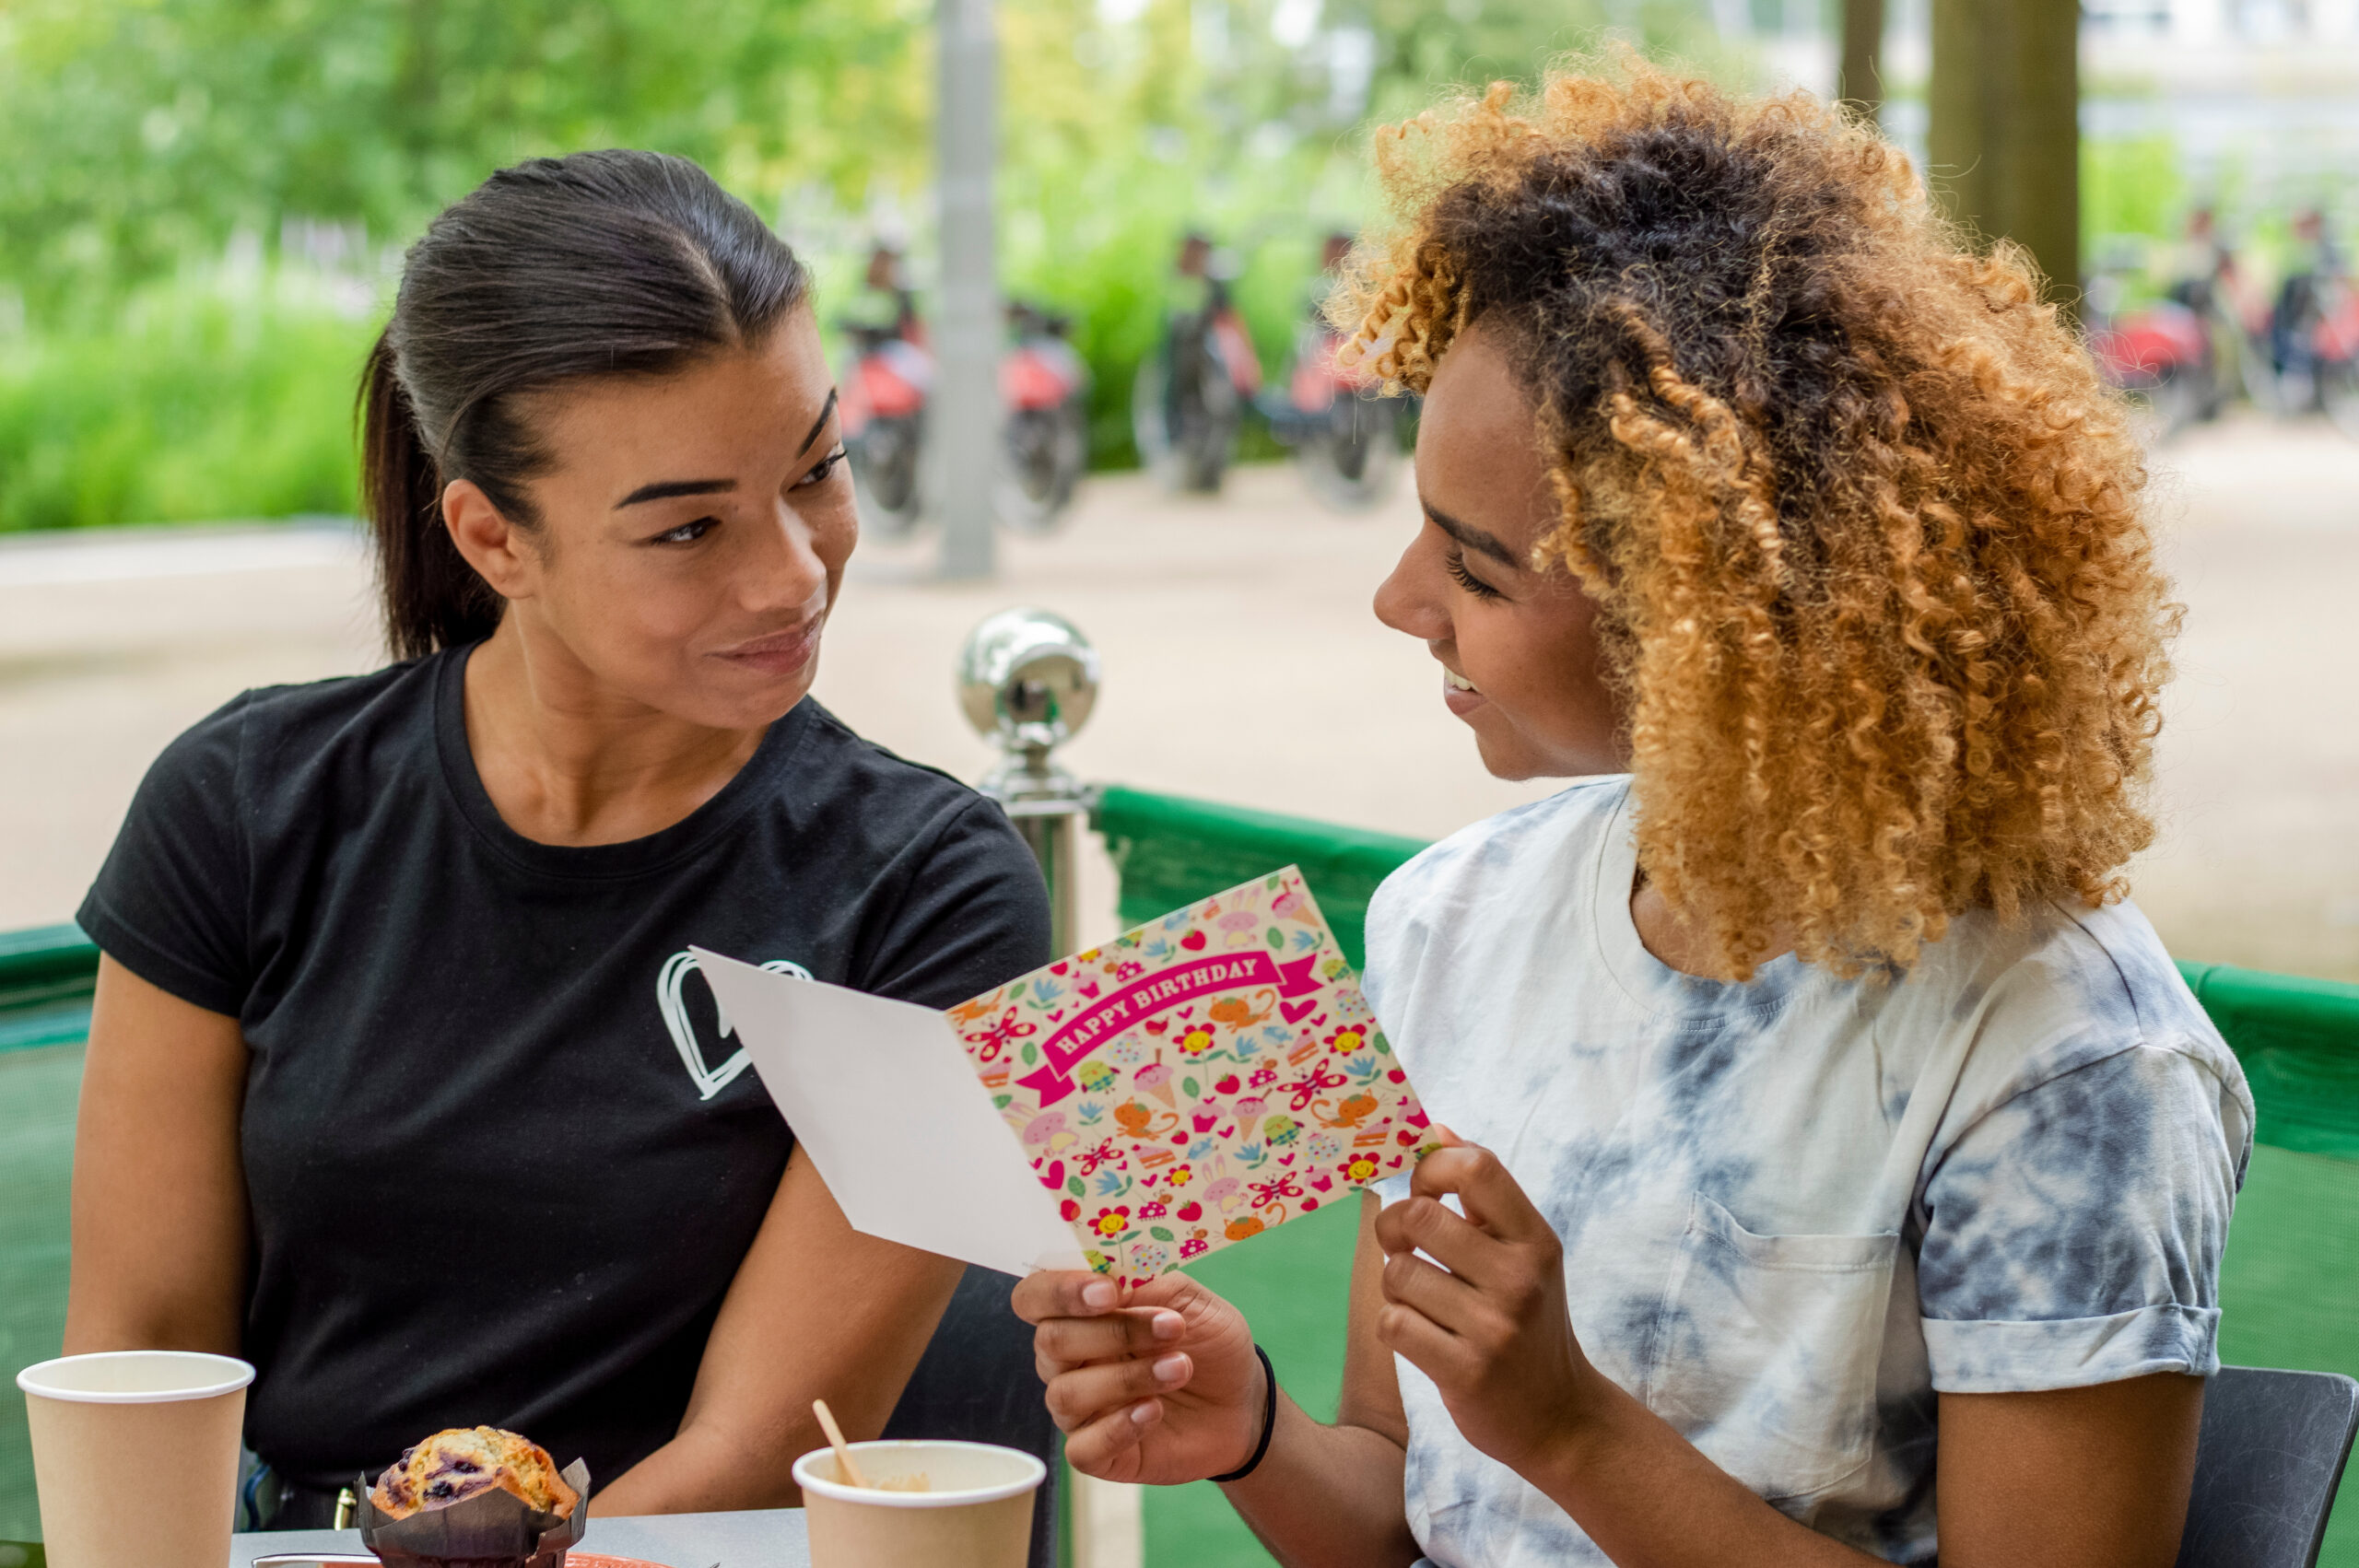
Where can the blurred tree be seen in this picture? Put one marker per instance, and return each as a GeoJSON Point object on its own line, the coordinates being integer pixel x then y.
{"type": "Point", "coordinates": [1860, 78]}
{"type": "Point", "coordinates": [1421, 46]}
{"type": "Point", "coordinates": [135, 134]}
{"type": "Point", "coordinates": [139, 139]}
{"type": "Point", "coordinates": [2004, 141]}
{"type": "Point", "coordinates": [159, 127]}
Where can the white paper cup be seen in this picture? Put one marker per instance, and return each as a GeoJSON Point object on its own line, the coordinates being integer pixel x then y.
{"type": "Point", "coordinates": [976, 1511]}
{"type": "Point", "coordinates": [135, 1457]}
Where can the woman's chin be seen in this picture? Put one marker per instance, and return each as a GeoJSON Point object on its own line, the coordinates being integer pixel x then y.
{"type": "Point", "coordinates": [741, 700]}
{"type": "Point", "coordinates": [1511, 754]}
{"type": "Point", "coordinates": [1505, 758]}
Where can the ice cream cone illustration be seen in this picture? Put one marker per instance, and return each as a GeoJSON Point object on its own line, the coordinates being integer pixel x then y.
{"type": "Point", "coordinates": [1156, 1079]}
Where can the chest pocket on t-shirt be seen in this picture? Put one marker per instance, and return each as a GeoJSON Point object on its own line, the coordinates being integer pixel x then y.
{"type": "Point", "coordinates": [1764, 1354]}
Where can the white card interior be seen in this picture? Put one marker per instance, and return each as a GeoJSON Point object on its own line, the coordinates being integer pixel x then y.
{"type": "Point", "coordinates": [882, 1096]}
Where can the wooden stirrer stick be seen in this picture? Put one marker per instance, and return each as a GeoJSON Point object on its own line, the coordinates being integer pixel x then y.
{"type": "Point", "coordinates": [849, 1471]}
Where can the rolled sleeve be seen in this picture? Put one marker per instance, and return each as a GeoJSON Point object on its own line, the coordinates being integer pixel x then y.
{"type": "Point", "coordinates": [2071, 1353]}
{"type": "Point", "coordinates": [2073, 1237]}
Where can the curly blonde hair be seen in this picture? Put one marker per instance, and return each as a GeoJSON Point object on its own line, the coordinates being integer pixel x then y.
{"type": "Point", "coordinates": [1861, 522]}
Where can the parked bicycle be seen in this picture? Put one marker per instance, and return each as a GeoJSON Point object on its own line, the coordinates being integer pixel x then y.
{"type": "Point", "coordinates": [1191, 392]}
{"type": "Point", "coordinates": [1345, 433]}
{"type": "Point", "coordinates": [2313, 330]}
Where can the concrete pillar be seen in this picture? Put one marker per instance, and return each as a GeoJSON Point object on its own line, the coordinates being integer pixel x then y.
{"type": "Point", "coordinates": [963, 414]}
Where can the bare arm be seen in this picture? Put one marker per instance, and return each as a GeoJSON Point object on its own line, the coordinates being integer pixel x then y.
{"type": "Point", "coordinates": [160, 1229]}
{"type": "Point", "coordinates": [2083, 1478]}
{"type": "Point", "coordinates": [2078, 1474]}
{"type": "Point", "coordinates": [817, 1311]}
{"type": "Point", "coordinates": [2079, 1477]}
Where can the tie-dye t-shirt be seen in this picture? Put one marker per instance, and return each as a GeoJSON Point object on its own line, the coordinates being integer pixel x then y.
{"type": "Point", "coordinates": [1795, 1209]}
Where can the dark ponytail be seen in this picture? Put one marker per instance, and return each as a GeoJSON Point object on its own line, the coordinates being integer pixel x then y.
{"type": "Point", "coordinates": [603, 264]}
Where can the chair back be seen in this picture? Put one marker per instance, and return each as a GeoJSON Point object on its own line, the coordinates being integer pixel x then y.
{"type": "Point", "coordinates": [2266, 1467]}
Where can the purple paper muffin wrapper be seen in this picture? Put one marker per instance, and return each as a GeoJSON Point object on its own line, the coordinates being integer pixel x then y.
{"type": "Point", "coordinates": [492, 1530]}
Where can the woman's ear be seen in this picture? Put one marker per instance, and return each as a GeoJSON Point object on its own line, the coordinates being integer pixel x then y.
{"type": "Point", "coordinates": [494, 545]}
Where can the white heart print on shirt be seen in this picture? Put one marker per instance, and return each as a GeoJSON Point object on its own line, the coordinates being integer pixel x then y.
{"type": "Point", "coordinates": [709, 1081]}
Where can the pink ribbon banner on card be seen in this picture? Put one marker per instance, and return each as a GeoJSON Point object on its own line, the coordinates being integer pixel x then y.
{"type": "Point", "coordinates": [1159, 993]}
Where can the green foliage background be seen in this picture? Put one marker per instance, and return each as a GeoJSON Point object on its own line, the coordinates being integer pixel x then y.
{"type": "Point", "coordinates": [201, 201]}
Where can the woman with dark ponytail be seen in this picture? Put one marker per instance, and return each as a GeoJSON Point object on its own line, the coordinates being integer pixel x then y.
{"type": "Point", "coordinates": [402, 1084]}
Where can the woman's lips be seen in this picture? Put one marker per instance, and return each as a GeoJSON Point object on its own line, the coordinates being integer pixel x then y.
{"type": "Point", "coordinates": [1460, 693]}
{"type": "Point", "coordinates": [780, 653]}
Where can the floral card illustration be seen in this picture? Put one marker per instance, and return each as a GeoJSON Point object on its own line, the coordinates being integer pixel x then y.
{"type": "Point", "coordinates": [1196, 1080]}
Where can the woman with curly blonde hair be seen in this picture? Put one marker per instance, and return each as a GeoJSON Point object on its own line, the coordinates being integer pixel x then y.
{"type": "Point", "coordinates": [1839, 1168]}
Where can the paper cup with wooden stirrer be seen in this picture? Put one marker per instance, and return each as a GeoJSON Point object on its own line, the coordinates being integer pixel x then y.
{"type": "Point", "coordinates": [917, 1504]}
{"type": "Point", "coordinates": [136, 1456]}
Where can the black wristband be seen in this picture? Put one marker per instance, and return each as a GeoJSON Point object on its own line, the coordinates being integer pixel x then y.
{"type": "Point", "coordinates": [1269, 1419]}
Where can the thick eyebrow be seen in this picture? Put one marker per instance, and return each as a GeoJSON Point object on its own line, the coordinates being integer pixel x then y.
{"type": "Point", "coordinates": [1472, 538]}
{"type": "Point", "coordinates": [664, 489]}
{"type": "Point", "coordinates": [819, 424]}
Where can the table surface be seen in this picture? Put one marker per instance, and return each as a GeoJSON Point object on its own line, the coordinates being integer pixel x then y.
{"type": "Point", "coordinates": [767, 1537]}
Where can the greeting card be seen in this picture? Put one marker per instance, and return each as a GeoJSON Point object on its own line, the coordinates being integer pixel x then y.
{"type": "Point", "coordinates": [1196, 1080]}
{"type": "Point", "coordinates": [1185, 1086]}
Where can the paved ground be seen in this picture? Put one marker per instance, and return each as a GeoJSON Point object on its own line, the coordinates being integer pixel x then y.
{"type": "Point", "coordinates": [1242, 663]}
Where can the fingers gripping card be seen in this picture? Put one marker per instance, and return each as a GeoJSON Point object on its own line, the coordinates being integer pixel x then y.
{"type": "Point", "coordinates": [1197, 1080]}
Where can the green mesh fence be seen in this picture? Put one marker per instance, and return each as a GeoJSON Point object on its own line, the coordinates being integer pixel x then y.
{"type": "Point", "coordinates": [46, 980]}
{"type": "Point", "coordinates": [1171, 851]}
{"type": "Point", "coordinates": [37, 1090]}
{"type": "Point", "coordinates": [2289, 1287]}
{"type": "Point", "coordinates": [46, 975]}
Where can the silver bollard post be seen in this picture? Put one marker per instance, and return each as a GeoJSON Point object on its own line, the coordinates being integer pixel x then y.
{"type": "Point", "coordinates": [1028, 680]}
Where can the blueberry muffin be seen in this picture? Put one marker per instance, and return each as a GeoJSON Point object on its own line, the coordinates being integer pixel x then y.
{"type": "Point", "coordinates": [458, 1464]}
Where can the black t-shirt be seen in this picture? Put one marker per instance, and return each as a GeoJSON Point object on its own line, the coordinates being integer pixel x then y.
{"type": "Point", "coordinates": [502, 1160]}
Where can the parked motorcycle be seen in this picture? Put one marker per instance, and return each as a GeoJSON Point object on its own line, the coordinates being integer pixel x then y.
{"type": "Point", "coordinates": [1045, 442]}
{"type": "Point", "coordinates": [882, 405]}
{"type": "Point", "coordinates": [1045, 386]}
{"type": "Point", "coordinates": [2335, 345]}
{"type": "Point", "coordinates": [2161, 353]}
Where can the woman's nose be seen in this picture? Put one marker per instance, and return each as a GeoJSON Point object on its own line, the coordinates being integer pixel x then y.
{"type": "Point", "coordinates": [1410, 599]}
{"type": "Point", "coordinates": [786, 571]}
